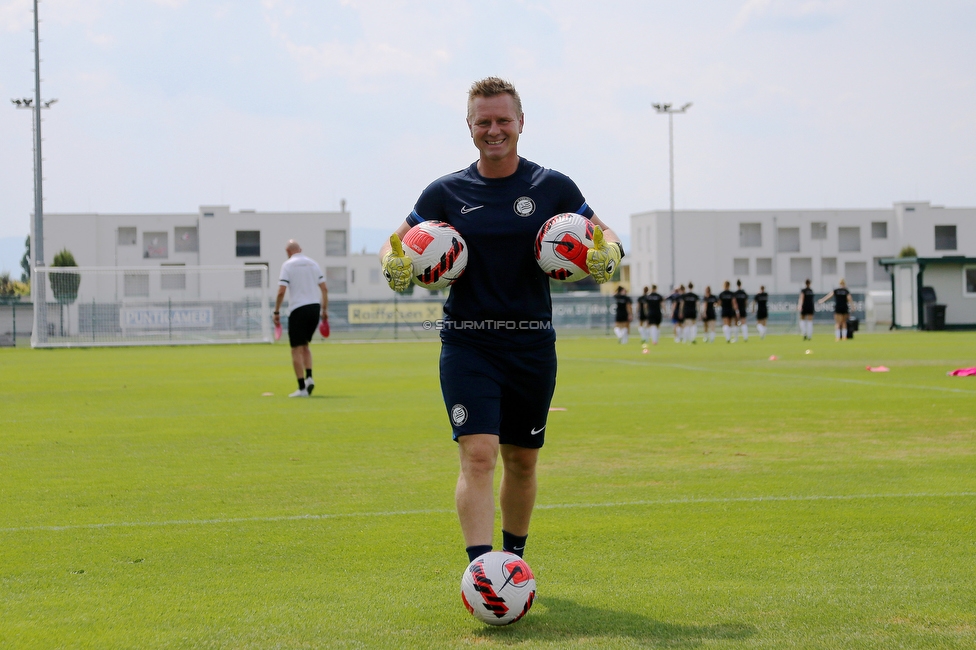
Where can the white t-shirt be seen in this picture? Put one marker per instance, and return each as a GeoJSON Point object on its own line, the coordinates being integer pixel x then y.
{"type": "Point", "coordinates": [302, 276]}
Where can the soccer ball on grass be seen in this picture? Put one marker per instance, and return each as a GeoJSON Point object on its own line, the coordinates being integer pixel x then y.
{"type": "Point", "coordinates": [498, 588]}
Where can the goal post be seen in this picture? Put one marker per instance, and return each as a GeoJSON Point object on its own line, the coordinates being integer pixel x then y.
{"type": "Point", "coordinates": [152, 305]}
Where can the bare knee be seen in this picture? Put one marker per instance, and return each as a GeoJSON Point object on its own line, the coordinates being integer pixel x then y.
{"type": "Point", "coordinates": [519, 461]}
{"type": "Point", "coordinates": [478, 454]}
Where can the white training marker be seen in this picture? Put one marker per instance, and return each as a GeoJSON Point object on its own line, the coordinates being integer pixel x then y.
{"type": "Point", "coordinates": [556, 408]}
{"type": "Point", "coordinates": [267, 394]}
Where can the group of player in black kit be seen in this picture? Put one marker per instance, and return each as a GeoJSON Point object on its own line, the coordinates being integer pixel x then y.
{"type": "Point", "coordinates": [685, 308]}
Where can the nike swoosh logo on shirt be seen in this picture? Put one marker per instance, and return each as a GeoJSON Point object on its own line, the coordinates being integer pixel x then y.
{"type": "Point", "coordinates": [536, 431]}
{"type": "Point", "coordinates": [465, 209]}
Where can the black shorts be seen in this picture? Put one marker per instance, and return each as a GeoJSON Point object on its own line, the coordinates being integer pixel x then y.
{"type": "Point", "coordinates": [655, 319]}
{"type": "Point", "coordinates": [805, 312]}
{"type": "Point", "coordinates": [762, 314]}
{"type": "Point", "coordinates": [728, 313]}
{"type": "Point", "coordinates": [302, 323]}
{"type": "Point", "coordinates": [501, 392]}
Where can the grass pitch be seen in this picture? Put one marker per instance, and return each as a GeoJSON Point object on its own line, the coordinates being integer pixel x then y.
{"type": "Point", "coordinates": [695, 496]}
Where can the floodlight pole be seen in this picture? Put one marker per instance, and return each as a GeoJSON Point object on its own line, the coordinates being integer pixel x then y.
{"type": "Point", "coordinates": [37, 240]}
{"type": "Point", "coordinates": [667, 108]}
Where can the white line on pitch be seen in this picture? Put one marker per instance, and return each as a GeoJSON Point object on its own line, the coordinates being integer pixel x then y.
{"type": "Point", "coordinates": [553, 506]}
{"type": "Point", "coordinates": [861, 382]}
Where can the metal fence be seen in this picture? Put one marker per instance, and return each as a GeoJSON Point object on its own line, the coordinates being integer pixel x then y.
{"type": "Point", "coordinates": [412, 318]}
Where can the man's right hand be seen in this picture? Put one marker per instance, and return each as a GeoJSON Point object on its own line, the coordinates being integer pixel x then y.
{"type": "Point", "coordinates": [397, 267]}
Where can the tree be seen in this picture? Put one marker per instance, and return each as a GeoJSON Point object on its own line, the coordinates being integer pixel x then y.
{"type": "Point", "coordinates": [11, 290]}
{"type": "Point", "coordinates": [25, 262]}
{"type": "Point", "coordinates": [65, 285]}
{"type": "Point", "coordinates": [908, 251]}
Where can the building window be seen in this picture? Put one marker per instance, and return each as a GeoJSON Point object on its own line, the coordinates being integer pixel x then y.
{"type": "Point", "coordinates": [856, 274]}
{"type": "Point", "coordinates": [374, 276]}
{"type": "Point", "coordinates": [828, 266]}
{"type": "Point", "coordinates": [335, 279]}
{"type": "Point", "coordinates": [252, 276]}
{"type": "Point", "coordinates": [208, 214]}
{"type": "Point", "coordinates": [818, 230]}
{"type": "Point", "coordinates": [335, 243]}
{"type": "Point", "coordinates": [849, 239]}
{"type": "Point", "coordinates": [249, 243]}
{"type": "Point", "coordinates": [172, 280]}
{"type": "Point", "coordinates": [764, 266]}
{"type": "Point", "coordinates": [969, 280]}
{"type": "Point", "coordinates": [788, 240]}
{"type": "Point", "coordinates": [879, 230]}
{"type": "Point", "coordinates": [155, 245]}
{"type": "Point", "coordinates": [135, 285]}
{"type": "Point", "coordinates": [740, 266]}
{"type": "Point", "coordinates": [750, 235]}
{"type": "Point", "coordinates": [186, 240]}
{"type": "Point", "coordinates": [880, 273]}
{"type": "Point", "coordinates": [945, 238]}
{"type": "Point", "coordinates": [127, 237]}
{"type": "Point", "coordinates": [352, 276]}
{"type": "Point", "coordinates": [801, 269]}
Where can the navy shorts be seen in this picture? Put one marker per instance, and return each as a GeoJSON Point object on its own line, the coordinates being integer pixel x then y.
{"type": "Point", "coordinates": [302, 323]}
{"type": "Point", "coordinates": [501, 392]}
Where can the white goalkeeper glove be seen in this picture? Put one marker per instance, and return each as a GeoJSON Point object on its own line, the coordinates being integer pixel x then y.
{"type": "Point", "coordinates": [397, 267]}
{"type": "Point", "coordinates": [602, 260]}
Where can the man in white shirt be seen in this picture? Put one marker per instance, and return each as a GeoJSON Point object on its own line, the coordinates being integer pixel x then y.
{"type": "Point", "coordinates": [303, 280]}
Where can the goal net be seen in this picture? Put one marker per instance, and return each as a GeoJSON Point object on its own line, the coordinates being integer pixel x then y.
{"type": "Point", "coordinates": [159, 305]}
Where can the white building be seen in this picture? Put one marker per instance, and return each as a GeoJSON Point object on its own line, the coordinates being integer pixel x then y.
{"type": "Point", "coordinates": [215, 236]}
{"type": "Point", "coordinates": [782, 248]}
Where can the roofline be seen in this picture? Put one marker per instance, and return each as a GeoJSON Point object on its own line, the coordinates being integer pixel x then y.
{"type": "Point", "coordinates": [902, 261]}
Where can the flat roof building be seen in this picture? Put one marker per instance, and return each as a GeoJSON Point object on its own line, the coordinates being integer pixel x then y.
{"type": "Point", "coordinates": [782, 248]}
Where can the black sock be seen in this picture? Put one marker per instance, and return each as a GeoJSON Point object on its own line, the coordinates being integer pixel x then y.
{"type": "Point", "coordinates": [308, 373]}
{"type": "Point", "coordinates": [477, 551]}
{"type": "Point", "coordinates": [513, 543]}
{"type": "Point", "coordinates": [301, 384]}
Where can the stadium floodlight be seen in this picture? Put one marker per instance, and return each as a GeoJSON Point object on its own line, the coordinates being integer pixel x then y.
{"type": "Point", "coordinates": [666, 108]}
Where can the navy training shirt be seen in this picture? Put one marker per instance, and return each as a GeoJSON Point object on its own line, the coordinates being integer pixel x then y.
{"type": "Point", "coordinates": [503, 295]}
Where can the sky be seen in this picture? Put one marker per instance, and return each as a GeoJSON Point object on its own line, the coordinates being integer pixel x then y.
{"type": "Point", "coordinates": [166, 105]}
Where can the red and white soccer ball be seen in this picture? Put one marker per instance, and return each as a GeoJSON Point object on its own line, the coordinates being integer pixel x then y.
{"type": "Point", "coordinates": [438, 253]}
{"type": "Point", "coordinates": [498, 588]}
{"type": "Point", "coordinates": [561, 246]}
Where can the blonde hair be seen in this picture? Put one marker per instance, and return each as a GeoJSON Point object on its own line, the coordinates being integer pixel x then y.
{"type": "Point", "coordinates": [490, 87]}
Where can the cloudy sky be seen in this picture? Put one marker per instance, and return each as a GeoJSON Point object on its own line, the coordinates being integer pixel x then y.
{"type": "Point", "coordinates": [165, 105]}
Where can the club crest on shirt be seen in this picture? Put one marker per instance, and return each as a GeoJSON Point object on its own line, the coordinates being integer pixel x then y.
{"type": "Point", "coordinates": [524, 206]}
{"type": "Point", "coordinates": [459, 414]}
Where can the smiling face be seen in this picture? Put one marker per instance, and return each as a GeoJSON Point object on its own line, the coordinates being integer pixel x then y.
{"type": "Point", "coordinates": [495, 126]}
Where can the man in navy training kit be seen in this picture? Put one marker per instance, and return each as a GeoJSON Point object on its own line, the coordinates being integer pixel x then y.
{"type": "Point", "coordinates": [498, 382]}
{"type": "Point", "coordinates": [303, 280]}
